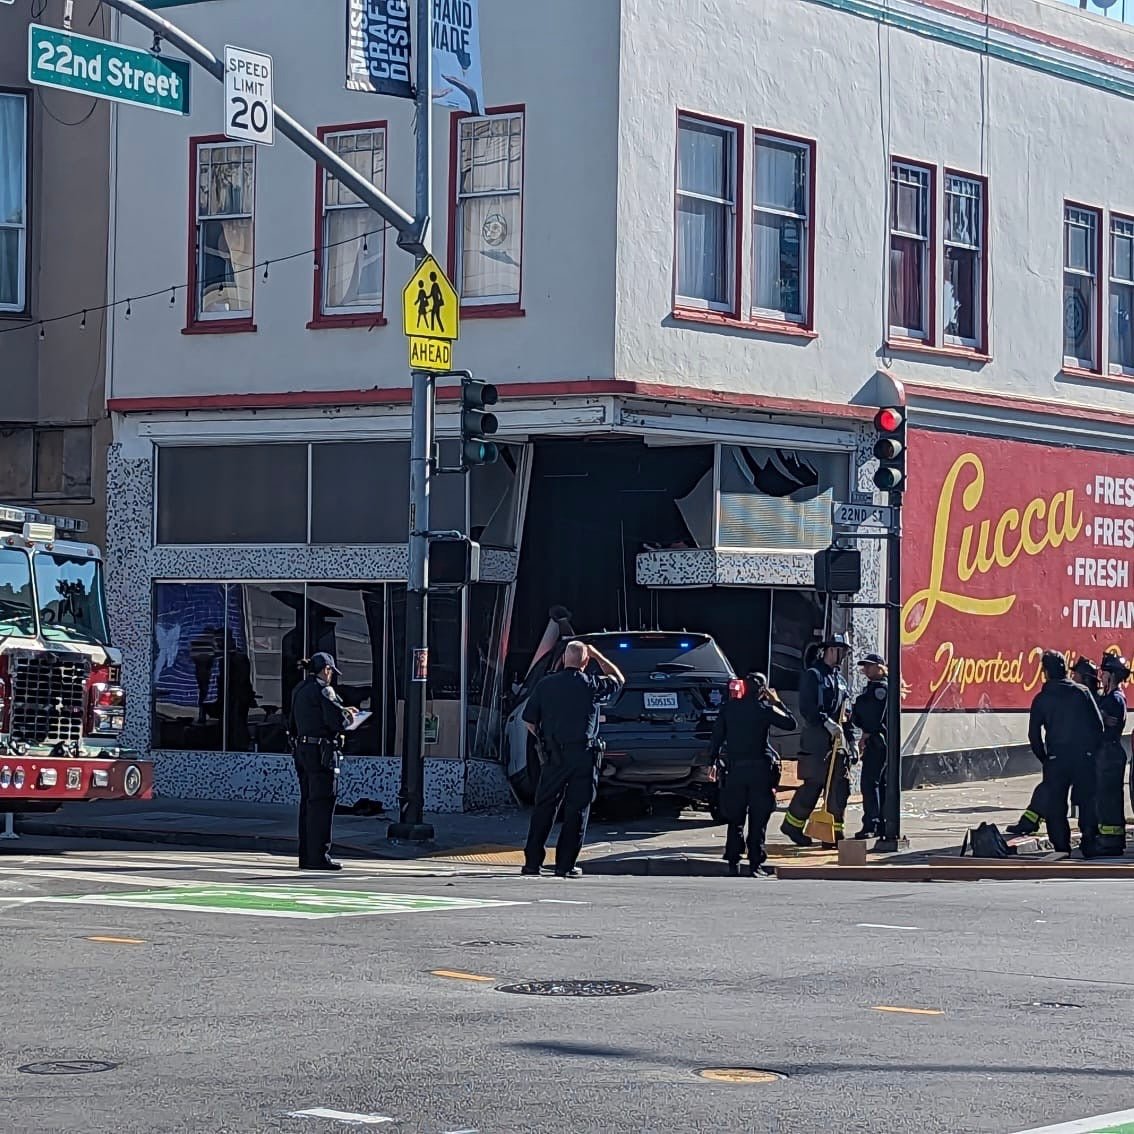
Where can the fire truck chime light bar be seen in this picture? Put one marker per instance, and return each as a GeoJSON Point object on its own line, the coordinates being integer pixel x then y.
{"type": "Point", "coordinates": [17, 517]}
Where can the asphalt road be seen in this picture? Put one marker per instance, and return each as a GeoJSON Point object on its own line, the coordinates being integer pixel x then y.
{"type": "Point", "coordinates": [1017, 997]}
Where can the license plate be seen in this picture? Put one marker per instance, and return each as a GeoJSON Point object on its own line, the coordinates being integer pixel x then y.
{"type": "Point", "coordinates": [661, 700]}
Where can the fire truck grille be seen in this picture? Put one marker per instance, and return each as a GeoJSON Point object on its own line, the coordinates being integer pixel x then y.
{"type": "Point", "coordinates": [48, 698]}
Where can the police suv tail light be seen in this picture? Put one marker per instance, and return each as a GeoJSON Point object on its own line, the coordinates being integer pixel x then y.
{"type": "Point", "coordinates": [106, 702]}
{"type": "Point", "coordinates": [736, 688]}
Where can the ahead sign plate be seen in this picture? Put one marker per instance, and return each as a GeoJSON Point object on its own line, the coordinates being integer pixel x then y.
{"type": "Point", "coordinates": [248, 115]}
{"type": "Point", "coordinates": [863, 515]}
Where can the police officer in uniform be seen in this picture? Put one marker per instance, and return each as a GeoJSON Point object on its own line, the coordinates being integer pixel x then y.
{"type": "Point", "coordinates": [563, 714]}
{"type": "Point", "coordinates": [752, 768]}
{"type": "Point", "coordinates": [1084, 672]}
{"type": "Point", "coordinates": [827, 734]}
{"type": "Point", "coordinates": [869, 715]}
{"type": "Point", "coordinates": [318, 720]}
{"type": "Point", "coordinates": [1110, 761]}
{"type": "Point", "coordinates": [1065, 731]}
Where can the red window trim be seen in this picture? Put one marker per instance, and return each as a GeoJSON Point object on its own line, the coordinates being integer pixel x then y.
{"type": "Point", "coordinates": [930, 339]}
{"type": "Point", "coordinates": [484, 310]}
{"type": "Point", "coordinates": [1101, 278]}
{"type": "Point", "coordinates": [241, 324]}
{"type": "Point", "coordinates": [684, 310]}
{"type": "Point", "coordinates": [901, 345]}
{"type": "Point", "coordinates": [773, 327]}
{"type": "Point", "coordinates": [320, 320]}
{"type": "Point", "coordinates": [811, 145]}
{"type": "Point", "coordinates": [981, 348]}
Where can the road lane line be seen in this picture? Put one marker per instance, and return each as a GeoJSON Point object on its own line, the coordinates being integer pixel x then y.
{"type": "Point", "coordinates": [908, 1011]}
{"type": "Point", "coordinates": [1120, 1122]}
{"type": "Point", "coordinates": [871, 925]}
{"type": "Point", "coordinates": [453, 974]}
{"type": "Point", "coordinates": [346, 1116]}
{"type": "Point", "coordinates": [118, 940]}
{"type": "Point", "coordinates": [561, 902]}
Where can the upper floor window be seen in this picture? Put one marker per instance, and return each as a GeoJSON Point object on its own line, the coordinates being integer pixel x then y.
{"type": "Point", "coordinates": [351, 240]}
{"type": "Point", "coordinates": [781, 241]}
{"type": "Point", "coordinates": [13, 201]}
{"type": "Point", "coordinates": [963, 262]}
{"type": "Point", "coordinates": [1122, 294]}
{"type": "Point", "coordinates": [489, 204]}
{"type": "Point", "coordinates": [1080, 286]}
{"type": "Point", "coordinates": [706, 214]}
{"type": "Point", "coordinates": [910, 243]}
{"type": "Point", "coordinates": [225, 192]}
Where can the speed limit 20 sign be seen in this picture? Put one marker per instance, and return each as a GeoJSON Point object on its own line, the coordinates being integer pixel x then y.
{"type": "Point", "coordinates": [248, 96]}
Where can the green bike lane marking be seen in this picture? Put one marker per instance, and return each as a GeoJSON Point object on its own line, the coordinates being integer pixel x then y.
{"type": "Point", "coordinates": [278, 901]}
{"type": "Point", "coordinates": [1120, 1122]}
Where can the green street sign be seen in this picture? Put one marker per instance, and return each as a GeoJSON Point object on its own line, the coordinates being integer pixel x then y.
{"type": "Point", "coordinates": [107, 70]}
{"type": "Point", "coordinates": [306, 902]}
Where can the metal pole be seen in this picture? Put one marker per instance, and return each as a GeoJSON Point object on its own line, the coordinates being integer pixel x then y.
{"type": "Point", "coordinates": [411, 797]}
{"type": "Point", "coordinates": [409, 229]}
{"type": "Point", "coordinates": [892, 806]}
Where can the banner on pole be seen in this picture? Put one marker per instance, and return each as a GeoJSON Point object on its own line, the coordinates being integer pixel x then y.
{"type": "Point", "coordinates": [457, 79]}
{"type": "Point", "coordinates": [378, 47]}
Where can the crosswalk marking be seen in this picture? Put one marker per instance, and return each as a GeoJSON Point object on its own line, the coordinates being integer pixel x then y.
{"type": "Point", "coordinates": [1120, 1122]}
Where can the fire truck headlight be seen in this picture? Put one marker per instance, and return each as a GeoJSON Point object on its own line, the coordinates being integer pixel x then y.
{"type": "Point", "coordinates": [48, 777]}
{"type": "Point", "coordinates": [132, 780]}
{"type": "Point", "coordinates": [5, 777]}
{"type": "Point", "coordinates": [100, 777]}
{"type": "Point", "coordinates": [18, 779]}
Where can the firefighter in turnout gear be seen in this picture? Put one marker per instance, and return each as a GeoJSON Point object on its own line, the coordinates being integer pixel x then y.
{"type": "Point", "coordinates": [827, 735]}
{"type": "Point", "coordinates": [1084, 672]}
{"type": "Point", "coordinates": [318, 720]}
{"type": "Point", "coordinates": [1110, 763]}
{"type": "Point", "coordinates": [751, 769]}
{"type": "Point", "coordinates": [869, 714]}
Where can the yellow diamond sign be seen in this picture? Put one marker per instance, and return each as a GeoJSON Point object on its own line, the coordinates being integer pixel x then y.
{"type": "Point", "coordinates": [431, 308]}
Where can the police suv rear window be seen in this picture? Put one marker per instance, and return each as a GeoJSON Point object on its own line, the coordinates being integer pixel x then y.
{"type": "Point", "coordinates": [669, 653]}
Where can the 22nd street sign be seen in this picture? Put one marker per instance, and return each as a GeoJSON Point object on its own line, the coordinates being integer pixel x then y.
{"type": "Point", "coordinates": [107, 70]}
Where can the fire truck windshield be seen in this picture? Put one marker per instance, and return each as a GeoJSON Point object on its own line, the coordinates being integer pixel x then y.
{"type": "Point", "coordinates": [17, 604]}
{"type": "Point", "coordinates": [70, 598]}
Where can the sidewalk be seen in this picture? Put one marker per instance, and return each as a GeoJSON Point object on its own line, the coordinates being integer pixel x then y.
{"type": "Point", "coordinates": [933, 819]}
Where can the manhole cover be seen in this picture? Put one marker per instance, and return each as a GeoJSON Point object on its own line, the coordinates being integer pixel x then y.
{"type": "Point", "coordinates": [569, 937]}
{"type": "Point", "coordinates": [740, 1076]}
{"type": "Point", "coordinates": [67, 1067]}
{"type": "Point", "coordinates": [1050, 1004]}
{"type": "Point", "coordinates": [577, 988]}
{"type": "Point", "coordinates": [488, 944]}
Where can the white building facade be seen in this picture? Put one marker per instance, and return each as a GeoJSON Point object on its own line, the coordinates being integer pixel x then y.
{"type": "Point", "coordinates": [696, 246]}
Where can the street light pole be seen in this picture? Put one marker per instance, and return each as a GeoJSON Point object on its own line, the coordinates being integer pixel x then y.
{"type": "Point", "coordinates": [411, 798]}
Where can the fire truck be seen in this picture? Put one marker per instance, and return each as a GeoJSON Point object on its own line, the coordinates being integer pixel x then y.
{"type": "Point", "coordinates": [62, 706]}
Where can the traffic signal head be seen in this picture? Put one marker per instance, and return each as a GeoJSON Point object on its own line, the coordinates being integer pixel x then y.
{"type": "Point", "coordinates": [890, 449]}
{"type": "Point", "coordinates": [477, 423]}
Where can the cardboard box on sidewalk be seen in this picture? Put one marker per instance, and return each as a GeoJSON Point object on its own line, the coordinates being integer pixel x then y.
{"type": "Point", "coordinates": [852, 852]}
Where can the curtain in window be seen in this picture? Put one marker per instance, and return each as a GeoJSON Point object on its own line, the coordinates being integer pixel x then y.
{"type": "Point", "coordinates": [1122, 327]}
{"type": "Point", "coordinates": [226, 263]}
{"type": "Point", "coordinates": [905, 283]}
{"type": "Point", "coordinates": [353, 272]}
{"type": "Point", "coordinates": [702, 255]}
{"type": "Point", "coordinates": [960, 293]}
{"type": "Point", "coordinates": [490, 247]}
{"type": "Point", "coordinates": [13, 151]}
{"type": "Point", "coordinates": [779, 264]}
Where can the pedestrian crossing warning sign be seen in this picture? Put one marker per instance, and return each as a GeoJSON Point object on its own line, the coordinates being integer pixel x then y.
{"type": "Point", "coordinates": [430, 354]}
{"type": "Point", "coordinates": [431, 308]}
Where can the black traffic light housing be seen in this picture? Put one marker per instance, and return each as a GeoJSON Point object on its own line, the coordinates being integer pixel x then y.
{"type": "Point", "coordinates": [890, 448]}
{"type": "Point", "coordinates": [477, 424]}
{"type": "Point", "coordinates": [453, 563]}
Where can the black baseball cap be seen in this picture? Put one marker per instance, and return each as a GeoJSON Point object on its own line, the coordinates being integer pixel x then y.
{"type": "Point", "coordinates": [872, 659]}
{"type": "Point", "coordinates": [323, 661]}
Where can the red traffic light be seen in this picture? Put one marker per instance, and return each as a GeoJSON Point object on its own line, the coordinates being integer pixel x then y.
{"type": "Point", "coordinates": [889, 420]}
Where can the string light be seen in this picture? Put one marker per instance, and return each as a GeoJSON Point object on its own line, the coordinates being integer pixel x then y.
{"type": "Point", "coordinates": [173, 289]}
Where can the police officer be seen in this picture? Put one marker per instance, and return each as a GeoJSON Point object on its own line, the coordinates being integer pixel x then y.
{"type": "Point", "coordinates": [1110, 762]}
{"type": "Point", "coordinates": [869, 714]}
{"type": "Point", "coordinates": [1084, 672]}
{"type": "Point", "coordinates": [1065, 730]}
{"type": "Point", "coordinates": [752, 768]}
{"type": "Point", "coordinates": [827, 734]}
{"type": "Point", "coordinates": [318, 720]}
{"type": "Point", "coordinates": [563, 714]}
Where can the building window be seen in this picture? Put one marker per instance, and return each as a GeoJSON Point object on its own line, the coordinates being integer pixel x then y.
{"type": "Point", "coordinates": [350, 252]}
{"type": "Point", "coordinates": [489, 201]}
{"type": "Point", "coordinates": [706, 214]}
{"type": "Point", "coordinates": [13, 201]}
{"type": "Point", "coordinates": [1122, 295]}
{"type": "Point", "coordinates": [63, 462]}
{"type": "Point", "coordinates": [910, 236]}
{"type": "Point", "coordinates": [963, 273]}
{"type": "Point", "coordinates": [1080, 286]}
{"type": "Point", "coordinates": [781, 237]}
{"type": "Point", "coordinates": [225, 193]}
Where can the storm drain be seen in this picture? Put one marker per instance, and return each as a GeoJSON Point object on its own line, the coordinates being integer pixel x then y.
{"type": "Point", "coordinates": [67, 1067]}
{"type": "Point", "coordinates": [740, 1076]}
{"type": "Point", "coordinates": [577, 988]}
